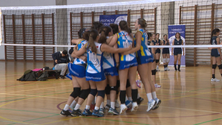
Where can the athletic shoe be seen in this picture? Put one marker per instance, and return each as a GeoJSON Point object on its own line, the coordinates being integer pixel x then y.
{"type": "Point", "coordinates": [139, 100]}
{"type": "Point", "coordinates": [117, 104]}
{"type": "Point", "coordinates": [97, 113]}
{"type": "Point", "coordinates": [157, 68]}
{"type": "Point", "coordinates": [76, 113]}
{"type": "Point", "coordinates": [87, 112]}
{"type": "Point", "coordinates": [157, 86]}
{"type": "Point", "coordinates": [62, 77]}
{"type": "Point", "coordinates": [167, 69]}
{"type": "Point", "coordinates": [134, 107]}
{"type": "Point", "coordinates": [150, 105]}
{"type": "Point", "coordinates": [113, 111]}
{"type": "Point", "coordinates": [101, 110]}
{"type": "Point", "coordinates": [138, 83]}
{"type": "Point", "coordinates": [123, 108]}
{"type": "Point", "coordinates": [92, 106]}
{"type": "Point", "coordinates": [107, 106]}
{"type": "Point", "coordinates": [215, 80]}
{"type": "Point", "coordinates": [128, 104]}
{"type": "Point", "coordinates": [65, 113]}
{"type": "Point", "coordinates": [158, 101]}
{"type": "Point", "coordinates": [179, 70]}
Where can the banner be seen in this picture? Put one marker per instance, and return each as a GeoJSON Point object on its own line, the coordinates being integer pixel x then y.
{"type": "Point", "coordinates": [172, 30]}
{"type": "Point", "coordinates": [110, 19]}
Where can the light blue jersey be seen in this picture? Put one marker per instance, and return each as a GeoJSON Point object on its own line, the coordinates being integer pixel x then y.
{"type": "Point", "coordinates": [79, 61]}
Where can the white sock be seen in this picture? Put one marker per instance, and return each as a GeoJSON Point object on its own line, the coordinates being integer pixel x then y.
{"type": "Point", "coordinates": [154, 95]}
{"type": "Point", "coordinates": [102, 105]}
{"type": "Point", "coordinates": [96, 108]}
{"type": "Point", "coordinates": [149, 97]}
{"type": "Point", "coordinates": [87, 107]}
{"type": "Point", "coordinates": [123, 105]}
{"type": "Point", "coordinates": [73, 104]}
{"type": "Point", "coordinates": [113, 105]}
{"type": "Point", "coordinates": [66, 107]}
{"type": "Point", "coordinates": [130, 98]}
{"type": "Point", "coordinates": [108, 102]}
{"type": "Point", "coordinates": [134, 103]}
{"type": "Point", "coordinates": [77, 107]}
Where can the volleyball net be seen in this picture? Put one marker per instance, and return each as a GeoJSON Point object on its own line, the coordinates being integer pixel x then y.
{"type": "Point", "coordinates": [38, 31]}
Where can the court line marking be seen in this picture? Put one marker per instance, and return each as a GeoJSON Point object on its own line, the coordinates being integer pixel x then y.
{"type": "Point", "coordinates": [30, 95]}
{"type": "Point", "coordinates": [208, 121]}
{"type": "Point", "coordinates": [191, 109]}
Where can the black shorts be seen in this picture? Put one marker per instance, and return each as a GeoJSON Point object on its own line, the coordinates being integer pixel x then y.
{"type": "Point", "coordinates": [214, 53]}
{"type": "Point", "coordinates": [165, 51]}
{"type": "Point", "coordinates": [177, 51]}
{"type": "Point", "coordinates": [157, 51]}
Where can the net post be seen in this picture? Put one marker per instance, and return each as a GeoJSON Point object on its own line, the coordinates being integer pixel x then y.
{"type": "Point", "coordinates": [195, 35]}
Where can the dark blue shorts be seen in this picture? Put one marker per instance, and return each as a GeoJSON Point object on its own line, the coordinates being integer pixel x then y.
{"type": "Point", "coordinates": [177, 51]}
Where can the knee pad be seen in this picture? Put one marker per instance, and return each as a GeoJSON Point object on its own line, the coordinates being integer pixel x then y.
{"type": "Point", "coordinates": [164, 60]}
{"type": "Point", "coordinates": [168, 60]}
{"type": "Point", "coordinates": [154, 72]}
{"type": "Point", "coordinates": [107, 89]}
{"type": "Point", "coordinates": [101, 93]}
{"type": "Point", "coordinates": [93, 92]}
{"type": "Point", "coordinates": [84, 94]}
{"type": "Point", "coordinates": [214, 66]}
{"type": "Point", "coordinates": [113, 88]}
{"type": "Point", "coordinates": [157, 61]}
{"type": "Point", "coordinates": [220, 66]}
{"type": "Point", "coordinates": [76, 92]}
{"type": "Point", "coordinates": [127, 83]}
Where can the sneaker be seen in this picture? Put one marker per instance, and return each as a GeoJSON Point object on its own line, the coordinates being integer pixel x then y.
{"type": "Point", "coordinates": [113, 111]}
{"type": "Point", "coordinates": [138, 83]}
{"type": "Point", "coordinates": [150, 105]}
{"type": "Point", "coordinates": [117, 104]}
{"type": "Point", "coordinates": [107, 106]}
{"type": "Point", "coordinates": [62, 77]}
{"type": "Point", "coordinates": [157, 68]}
{"type": "Point", "coordinates": [101, 110]}
{"type": "Point", "coordinates": [158, 101]}
{"type": "Point", "coordinates": [76, 113]}
{"type": "Point", "coordinates": [139, 100]}
{"type": "Point", "coordinates": [215, 80]}
{"type": "Point", "coordinates": [65, 113]}
{"type": "Point", "coordinates": [179, 70]}
{"type": "Point", "coordinates": [167, 69]}
{"type": "Point", "coordinates": [123, 108]}
{"type": "Point", "coordinates": [134, 107]}
{"type": "Point", "coordinates": [87, 112]}
{"type": "Point", "coordinates": [128, 104]}
{"type": "Point", "coordinates": [97, 113]}
{"type": "Point", "coordinates": [157, 86]}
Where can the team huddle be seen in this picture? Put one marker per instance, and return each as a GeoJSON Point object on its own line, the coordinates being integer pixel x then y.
{"type": "Point", "coordinates": [106, 62]}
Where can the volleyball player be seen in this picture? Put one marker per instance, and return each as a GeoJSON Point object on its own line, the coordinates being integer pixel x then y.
{"type": "Point", "coordinates": [177, 51]}
{"type": "Point", "coordinates": [155, 62]}
{"type": "Point", "coordinates": [127, 65]}
{"type": "Point", "coordinates": [145, 59]}
{"type": "Point", "coordinates": [94, 70]}
{"type": "Point", "coordinates": [166, 53]}
{"type": "Point", "coordinates": [215, 54]}
{"type": "Point", "coordinates": [157, 53]}
{"type": "Point", "coordinates": [77, 71]}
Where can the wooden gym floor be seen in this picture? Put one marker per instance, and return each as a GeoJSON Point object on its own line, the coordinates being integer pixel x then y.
{"type": "Point", "coordinates": [188, 98]}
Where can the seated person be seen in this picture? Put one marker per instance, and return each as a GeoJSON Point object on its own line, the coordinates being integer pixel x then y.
{"type": "Point", "coordinates": [61, 60]}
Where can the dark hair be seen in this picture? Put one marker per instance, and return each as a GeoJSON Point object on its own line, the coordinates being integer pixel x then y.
{"type": "Point", "coordinates": [166, 35]}
{"type": "Point", "coordinates": [80, 32]}
{"type": "Point", "coordinates": [157, 34]}
{"type": "Point", "coordinates": [123, 25]}
{"type": "Point", "coordinates": [96, 26]}
{"type": "Point", "coordinates": [142, 23]}
{"type": "Point", "coordinates": [92, 37]}
{"type": "Point", "coordinates": [64, 52]}
{"type": "Point", "coordinates": [176, 34]}
{"type": "Point", "coordinates": [214, 32]}
{"type": "Point", "coordinates": [105, 30]}
{"type": "Point", "coordinates": [114, 28]}
{"type": "Point", "coordinates": [85, 35]}
{"type": "Point", "coordinates": [149, 35]}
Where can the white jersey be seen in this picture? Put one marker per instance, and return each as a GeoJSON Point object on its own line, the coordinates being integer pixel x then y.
{"type": "Point", "coordinates": [108, 60]}
{"type": "Point", "coordinates": [94, 60]}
